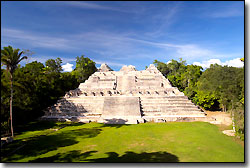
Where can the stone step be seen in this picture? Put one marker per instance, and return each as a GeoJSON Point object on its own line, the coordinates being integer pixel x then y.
{"type": "Point", "coordinates": [87, 103]}
{"type": "Point", "coordinates": [170, 112]}
{"type": "Point", "coordinates": [169, 105]}
{"type": "Point", "coordinates": [152, 114]}
{"type": "Point", "coordinates": [92, 98]}
{"type": "Point", "coordinates": [74, 108]}
{"type": "Point", "coordinates": [78, 106]}
{"type": "Point", "coordinates": [73, 114]}
{"type": "Point", "coordinates": [181, 112]}
{"type": "Point", "coordinates": [169, 109]}
{"type": "Point", "coordinates": [163, 97]}
{"type": "Point", "coordinates": [165, 100]}
{"type": "Point", "coordinates": [173, 114]}
{"type": "Point", "coordinates": [175, 101]}
{"type": "Point", "coordinates": [74, 111]}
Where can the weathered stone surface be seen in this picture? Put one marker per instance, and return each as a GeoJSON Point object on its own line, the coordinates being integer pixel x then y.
{"type": "Point", "coordinates": [127, 96]}
{"type": "Point", "coordinates": [121, 107]}
{"type": "Point", "coordinates": [104, 68]}
{"type": "Point", "coordinates": [126, 68]}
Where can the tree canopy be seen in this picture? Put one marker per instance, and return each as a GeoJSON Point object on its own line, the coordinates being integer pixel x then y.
{"type": "Point", "coordinates": [84, 68]}
{"type": "Point", "coordinates": [216, 88]}
{"type": "Point", "coordinates": [38, 86]}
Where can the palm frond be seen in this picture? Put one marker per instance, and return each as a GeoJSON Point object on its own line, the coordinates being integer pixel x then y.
{"type": "Point", "coordinates": [11, 58]}
{"type": "Point", "coordinates": [24, 57]}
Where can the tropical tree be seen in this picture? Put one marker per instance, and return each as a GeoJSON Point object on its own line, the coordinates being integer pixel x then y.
{"type": "Point", "coordinates": [162, 67]}
{"type": "Point", "coordinates": [84, 68]}
{"type": "Point", "coordinates": [53, 65]}
{"type": "Point", "coordinates": [11, 58]}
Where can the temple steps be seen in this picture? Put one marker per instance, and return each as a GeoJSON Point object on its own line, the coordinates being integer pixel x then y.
{"type": "Point", "coordinates": [170, 113]}
{"type": "Point", "coordinates": [171, 110]}
{"type": "Point", "coordinates": [168, 105]}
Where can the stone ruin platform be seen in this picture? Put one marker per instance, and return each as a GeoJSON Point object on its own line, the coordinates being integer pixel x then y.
{"type": "Point", "coordinates": [127, 96]}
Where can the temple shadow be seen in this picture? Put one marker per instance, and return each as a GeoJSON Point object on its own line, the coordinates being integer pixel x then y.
{"type": "Point", "coordinates": [132, 157]}
{"type": "Point", "coordinates": [114, 122]}
{"type": "Point", "coordinates": [113, 157]}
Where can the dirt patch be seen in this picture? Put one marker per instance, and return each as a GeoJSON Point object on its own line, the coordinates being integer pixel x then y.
{"type": "Point", "coordinates": [136, 144]}
{"type": "Point", "coordinates": [229, 132]}
{"type": "Point", "coordinates": [220, 117]}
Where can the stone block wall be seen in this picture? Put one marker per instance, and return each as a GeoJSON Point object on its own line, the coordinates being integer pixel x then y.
{"type": "Point", "coordinates": [127, 96]}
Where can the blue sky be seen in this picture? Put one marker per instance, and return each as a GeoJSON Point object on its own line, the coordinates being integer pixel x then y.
{"type": "Point", "coordinates": [124, 33]}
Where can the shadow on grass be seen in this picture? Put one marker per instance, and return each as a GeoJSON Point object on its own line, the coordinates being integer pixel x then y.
{"type": "Point", "coordinates": [42, 125]}
{"type": "Point", "coordinates": [132, 157]}
{"type": "Point", "coordinates": [65, 157]}
{"type": "Point", "coordinates": [114, 122]}
{"type": "Point", "coordinates": [128, 157]}
{"type": "Point", "coordinates": [42, 144]}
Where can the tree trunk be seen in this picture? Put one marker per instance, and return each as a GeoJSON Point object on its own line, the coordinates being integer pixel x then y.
{"type": "Point", "coordinates": [233, 117]}
{"type": "Point", "coordinates": [11, 98]}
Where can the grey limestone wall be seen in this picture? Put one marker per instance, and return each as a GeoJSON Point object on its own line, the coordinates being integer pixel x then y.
{"type": "Point", "coordinates": [121, 106]}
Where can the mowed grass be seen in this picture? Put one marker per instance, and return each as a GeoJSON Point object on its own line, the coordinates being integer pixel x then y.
{"type": "Point", "coordinates": [148, 142]}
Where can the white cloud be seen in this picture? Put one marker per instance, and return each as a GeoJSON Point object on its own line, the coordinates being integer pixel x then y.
{"type": "Point", "coordinates": [231, 11]}
{"type": "Point", "coordinates": [117, 48]}
{"type": "Point", "coordinates": [187, 51]}
{"type": "Point", "coordinates": [164, 20]}
{"type": "Point", "coordinates": [90, 5]}
{"type": "Point", "coordinates": [67, 67]}
{"type": "Point", "coordinates": [36, 40]}
{"type": "Point", "coordinates": [234, 63]}
{"type": "Point", "coordinates": [44, 58]}
{"type": "Point", "coordinates": [169, 62]}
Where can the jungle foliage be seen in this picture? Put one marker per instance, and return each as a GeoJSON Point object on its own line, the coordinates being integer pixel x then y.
{"type": "Point", "coordinates": [216, 88]}
{"type": "Point", "coordinates": [37, 86]}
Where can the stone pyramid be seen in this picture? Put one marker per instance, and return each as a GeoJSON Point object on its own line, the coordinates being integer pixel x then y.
{"type": "Point", "coordinates": [127, 96]}
{"type": "Point", "coordinates": [104, 68]}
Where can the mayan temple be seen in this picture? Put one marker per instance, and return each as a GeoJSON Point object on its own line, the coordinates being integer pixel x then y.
{"type": "Point", "coordinates": [127, 96]}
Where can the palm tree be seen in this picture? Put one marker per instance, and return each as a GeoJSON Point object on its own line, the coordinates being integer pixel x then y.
{"type": "Point", "coordinates": [10, 58]}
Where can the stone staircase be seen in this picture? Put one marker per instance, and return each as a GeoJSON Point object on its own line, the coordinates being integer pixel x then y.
{"type": "Point", "coordinates": [168, 108]}
{"type": "Point", "coordinates": [77, 107]}
{"type": "Point", "coordinates": [127, 96]}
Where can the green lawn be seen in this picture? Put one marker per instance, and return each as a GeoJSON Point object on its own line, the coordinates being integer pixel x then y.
{"type": "Point", "coordinates": [149, 142]}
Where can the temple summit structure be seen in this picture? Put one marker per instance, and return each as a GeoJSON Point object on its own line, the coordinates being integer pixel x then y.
{"type": "Point", "coordinates": [127, 96]}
